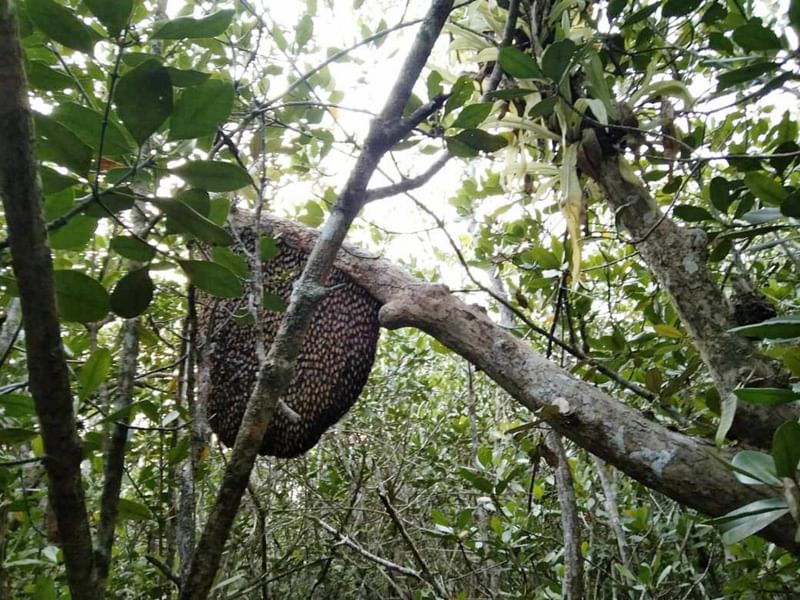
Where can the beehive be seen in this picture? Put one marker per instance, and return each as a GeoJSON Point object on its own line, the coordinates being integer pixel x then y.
{"type": "Point", "coordinates": [332, 368]}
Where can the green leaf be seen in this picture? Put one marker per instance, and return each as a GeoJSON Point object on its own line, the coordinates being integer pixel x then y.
{"type": "Point", "coordinates": [186, 77]}
{"type": "Point", "coordinates": [692, 213]}
{"type": "Point", "coordinates": [144, 99]}
{"type": "Point", "coordinates": [200, 109]}
{"type": "Point", "coordinates": [111, 201]}
{"type": "Point", "coordinates": [438, 518]}
{"type": "Point", "coordinates": [313, 216]}
{"type": "Point", "coordinates": [87, 124]}
{"type": "Point", "coordinates": [229, 259]}
{"type": "Point", "coordinates": [765, 188]}
{"type": "Point", "coordinates": [132, 294]}
{"type": "Point", "coordinates": [754, 468]}
{"type": "Point", "coordinates": [434, 84]}
{"type": "Point", "coordinates": [640, 15]}
{"type": "Point", "coordinates": [667, 331]}
{"type": "Point", "coordinates": [679, 8]}
{"type": "Point", "coordinates": [719, 194]}
{"type": "Point", "coordinates": [518, 64]}
{"type": "Point", "coordinates": [786, 449]}
{"type": "Point", "coordinates": [80, 298]}
{"type": "Point", "coordinates": [214, 176]}
{"type": "Point", "coordinates": [132, 248]}
{"type": "Point", "coordinates": [190, 221]}
{"type": "Point", "coordinates": [779, 163]}
{"type": "Point", "coordinates": [727, 410]}
{"type": "Point", "coordinates": [744, 74]}
{"type": "Point", "coordinates": [42, 77]}
{"type": "Point", "coordinates": [477, 481]}
{"type": "Point", "coordinates": [274, 303]}
{"type": "Point", "coordinates": [597, 84]}
{"type": "Point", "coordinates": [767, 396]}
{"type": "Point", "coordinates": [190, 28]}
{"type": "Point", "coordinates": [212, 278]}
{"type": "Point", "coordinates": [16, 435]}
{"type": "Point", "coordinates": [94, 372]}
{"type": "Point", "coordinates": [17, 405]}
{"type": "Point", "coordinates": [471, 141]}
{"type": "Point", "coordinates": [58, 144]}
{"type": "Point", "coordinates": [113, 14]}
{"type": "Point", "coordinates": [794, 13]}
{"type": "Point", "coordinates": [556, 59]}
{"type": "Point", "coordinates": [53, 181]}
{"type": "Point", "coordinates": [133, 511]}
{"type": "Point", "coordinates": [749, 519]}
{"type": "Point", "coordinates": [615, 8]}
{"type": "Point", "coordinates": [460, 92]}
{"type": "Point", "coordinates": [509, 94]}
{"type": "Point", "coordinates": [777, 328]}
{"type": "Point", "coordinates": [196, 199]}
{"type": "Point", "coordinates": [472, 115]}
{"type": "Point", "coordinates": [75, 234]}
{"type": "Point", "coordinates": [754, 37]}
{"type": "Point", "coordinates": [304, 31]}
{"type": "Point", "coordinates": [543, 108]}
{"type": "Point", "coordinates": [60, 23]}
{"type": "Point", "coordinates": [268, 247]}
{"type": "Point", "coordinates": [45, 587]}
{"type": "Point", "coordinates": [791, 205]}
{"type": "Point", "coordinates": [717, 41]}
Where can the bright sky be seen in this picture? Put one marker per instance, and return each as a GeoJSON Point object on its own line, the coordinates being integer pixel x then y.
{"type": "Point", "coordinates": [381, 65]}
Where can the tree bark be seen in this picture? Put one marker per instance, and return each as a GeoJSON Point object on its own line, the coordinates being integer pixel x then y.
{"type": "Point", "coordinates": [276, 372]}
{"type": "Point", "coordinates": [33, 269]}
{"type": "Point", "coordinates": [677, 257]}
{"type": "Point", "coordinates": [572, 586]}
{"type": "Point", "coordinates": [686, 469]}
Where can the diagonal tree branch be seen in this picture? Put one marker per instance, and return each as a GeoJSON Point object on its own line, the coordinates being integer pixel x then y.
{"type": "Point", "coordinates": [687, 469]}
{"type": "Point", "coordinates": [277, 371]}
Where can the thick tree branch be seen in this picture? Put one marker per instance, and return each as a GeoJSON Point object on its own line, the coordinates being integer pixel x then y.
{"type": "Point", "coordinates": [677, 257]}
{"type": "Point", "coordinates": [33, 268]}
{"type": "Point", "coordinates": [686, 469]}
{"type": "Point", "coordinates": [277, 371]}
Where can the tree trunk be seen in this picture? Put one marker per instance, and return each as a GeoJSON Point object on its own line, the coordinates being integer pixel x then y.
{"type": "Point", "coordinates": [677, 257]}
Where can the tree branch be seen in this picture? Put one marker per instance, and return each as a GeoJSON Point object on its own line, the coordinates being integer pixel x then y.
{"type": "Point", "coordinates": [688, 470]}
{"type": "Point", "coordinates": [677, 257]}
{"type": "Point", "coordinates": [369, 555]}
{"type": "Point", "coordinates": [277, 371]}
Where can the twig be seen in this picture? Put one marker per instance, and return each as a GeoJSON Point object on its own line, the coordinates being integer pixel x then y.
{"type": "Point", "coordinates": [165, 570]}
{"type": "Point", "coordinates": [346, 541]}
{"type": "Point", "coordinates": [430, 578]}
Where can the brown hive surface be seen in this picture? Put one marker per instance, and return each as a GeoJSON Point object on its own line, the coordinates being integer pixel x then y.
{"type": "Point", "coordinates": [332, 368]}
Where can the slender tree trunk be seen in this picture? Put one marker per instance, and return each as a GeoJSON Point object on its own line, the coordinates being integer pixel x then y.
{"type": "Point", "coordinates": [33, 269]}
{"type": "Point", "coordinates": [572, 586]}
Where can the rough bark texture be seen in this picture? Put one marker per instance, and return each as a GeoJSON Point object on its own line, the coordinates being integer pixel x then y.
{"type": "Point", "coordinates": [33, 268]}
{"type": "Point", "coordinates": [686, 469]}
{"type": "Point", "coordinates": [677, 257]}
{"type": "Point", "coordinates": [572, 585]}
{"type": "Point", "coordinates": [277, 370]}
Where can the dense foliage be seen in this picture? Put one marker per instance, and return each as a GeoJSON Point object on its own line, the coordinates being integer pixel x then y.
{"type": "Point", "coordinates": [150, 125]}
